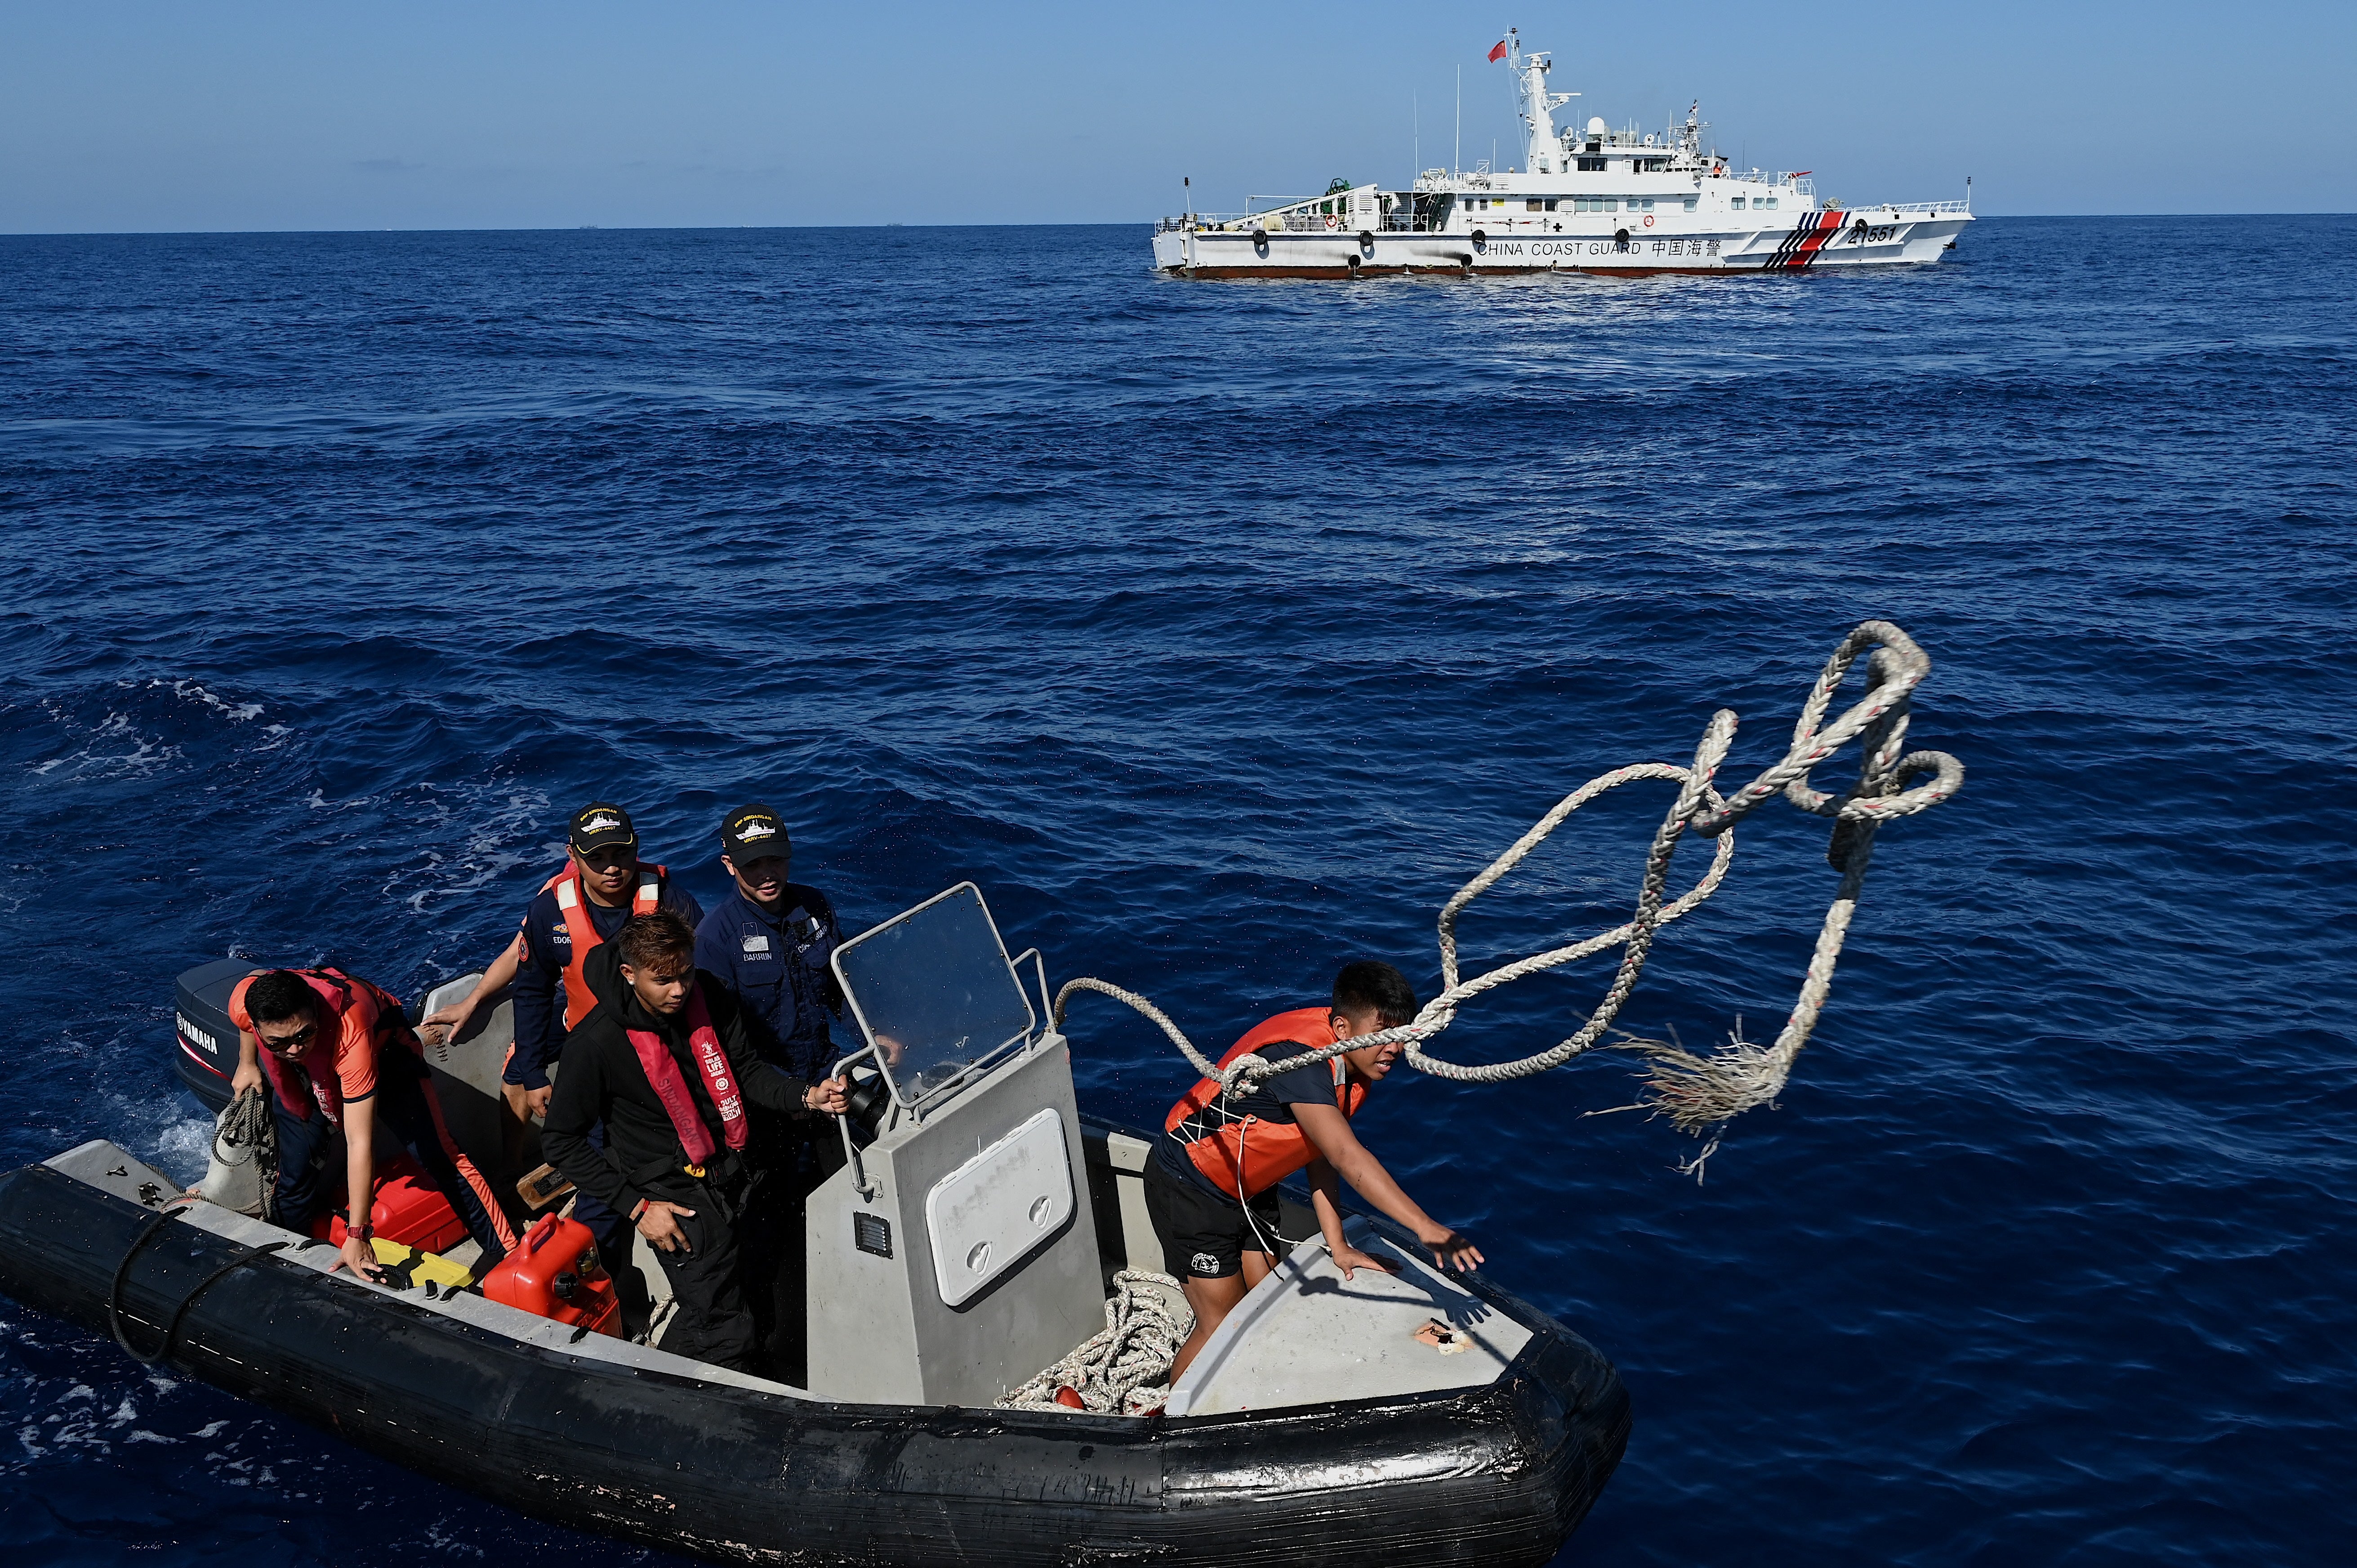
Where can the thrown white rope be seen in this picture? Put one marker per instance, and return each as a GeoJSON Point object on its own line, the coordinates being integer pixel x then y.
{"type": "Point", "coordinates": [1696, 1093]}
{"type": "Point", "coordinates": [1126, 1369]}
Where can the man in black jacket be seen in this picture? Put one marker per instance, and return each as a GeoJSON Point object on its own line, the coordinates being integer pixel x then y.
{"type": "Point", "coordinates": [663, 1062]}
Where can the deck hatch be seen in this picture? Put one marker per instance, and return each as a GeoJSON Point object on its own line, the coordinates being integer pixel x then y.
{"type": "Point", "coordinates": [991, 1212]}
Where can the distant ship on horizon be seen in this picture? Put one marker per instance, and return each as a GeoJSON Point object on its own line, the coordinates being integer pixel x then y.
{"type": "Point", "coordinates": [1592, 201]}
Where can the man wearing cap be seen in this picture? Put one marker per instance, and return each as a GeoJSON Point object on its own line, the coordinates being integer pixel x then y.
{"type": "Point", "coordinates": [575, 912]}
{"type": "Point", "coordinates": [770, 945]}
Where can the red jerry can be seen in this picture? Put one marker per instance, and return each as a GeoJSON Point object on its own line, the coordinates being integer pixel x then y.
{"type": "Point", "coordinates": [408, 1209]}
{"type": "Point", "coordinates": [554, 1273]}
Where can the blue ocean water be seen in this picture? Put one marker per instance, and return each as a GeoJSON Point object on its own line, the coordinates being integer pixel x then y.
{"type": "Point", "coordinates": [1219, 631]}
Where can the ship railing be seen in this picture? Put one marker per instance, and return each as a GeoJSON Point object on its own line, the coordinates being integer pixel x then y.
{"type": "Point", "coordinates": [1911, 207]}
{"type": "Point", "coordinates": [1287, 220]}
{"type": "Point", "coordinates": [1399, 221]}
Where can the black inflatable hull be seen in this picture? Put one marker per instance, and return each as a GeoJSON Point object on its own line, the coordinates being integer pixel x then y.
{"type": "Point", "coordinates": [1499, 1474]}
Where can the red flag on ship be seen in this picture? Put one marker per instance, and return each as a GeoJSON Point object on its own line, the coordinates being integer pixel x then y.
{"type": "Point", "coordinates": [1500, 52]}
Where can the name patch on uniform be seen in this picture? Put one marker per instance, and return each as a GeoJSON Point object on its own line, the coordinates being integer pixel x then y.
{"type": "Point", "coordinates": [757, 943]}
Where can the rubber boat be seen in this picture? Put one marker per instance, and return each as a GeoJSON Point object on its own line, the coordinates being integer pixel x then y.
{"type": "Point", "coordinates": [972, 1239]}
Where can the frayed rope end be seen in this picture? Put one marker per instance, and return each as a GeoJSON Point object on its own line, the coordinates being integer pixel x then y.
{"type": "Point", "coordinates": [1700, 1094]}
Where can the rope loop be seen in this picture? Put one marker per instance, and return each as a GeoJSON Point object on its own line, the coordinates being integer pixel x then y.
{"type": "Point", "coordinates": [1695, 1093]}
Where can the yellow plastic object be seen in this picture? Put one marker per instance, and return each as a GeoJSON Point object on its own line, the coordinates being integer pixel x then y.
{"type": "Point", "coordinates": [419, 1266]}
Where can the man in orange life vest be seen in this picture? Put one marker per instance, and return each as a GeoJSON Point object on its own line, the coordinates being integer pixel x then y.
{"type": "Point", "coordinates": [663, 1063]}
{"type": "Point", "coordinates": [604, 883]}
{"type": "Point", "coordinates": [1210, 1188]}
{"type": "Point", "coordinates": [343, 1067]}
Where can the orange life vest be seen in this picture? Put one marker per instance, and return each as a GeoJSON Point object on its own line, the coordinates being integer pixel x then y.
{"type": "Point", "coordinates": [318, 1078]}
{"type": "Point", "coordinates": [582, 932]}
{"type": "Point", "coordinates": [1243, 1155]}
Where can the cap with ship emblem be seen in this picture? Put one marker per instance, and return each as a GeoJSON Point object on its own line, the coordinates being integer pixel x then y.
{"type": "Point", "coordinates": [601, 824]}
{"type": "Point", "coordinates": [748, 833]}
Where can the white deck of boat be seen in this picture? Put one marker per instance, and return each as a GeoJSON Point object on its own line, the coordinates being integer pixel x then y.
{"type": "Point", "coordinates": [1307, 1336]}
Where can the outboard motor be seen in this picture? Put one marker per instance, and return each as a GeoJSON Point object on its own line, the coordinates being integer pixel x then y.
{"type": "Point", "coordinates": [207, 1058]}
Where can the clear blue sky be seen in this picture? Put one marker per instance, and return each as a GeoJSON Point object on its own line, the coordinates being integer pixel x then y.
{"type": "Point", "coordinates": [137, 114]}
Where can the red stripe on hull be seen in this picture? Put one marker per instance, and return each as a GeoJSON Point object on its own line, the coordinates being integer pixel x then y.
{"type": "Point", "coordinates": [1828, 225]}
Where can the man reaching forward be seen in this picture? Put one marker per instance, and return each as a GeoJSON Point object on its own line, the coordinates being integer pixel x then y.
{"type": "Point", "coordinates": [1212, 1187]}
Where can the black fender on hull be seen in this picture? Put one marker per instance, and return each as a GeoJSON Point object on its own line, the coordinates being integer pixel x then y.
{"type": "Point", "coordinates": [1498, 1475]}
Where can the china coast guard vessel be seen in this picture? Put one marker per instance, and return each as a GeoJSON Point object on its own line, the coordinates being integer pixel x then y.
{"type": "Point", "coordinates": [1592, 201]}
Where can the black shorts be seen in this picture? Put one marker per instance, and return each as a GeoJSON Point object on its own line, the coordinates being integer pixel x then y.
{"type": "Point", "coordinates": [1204, 1235]}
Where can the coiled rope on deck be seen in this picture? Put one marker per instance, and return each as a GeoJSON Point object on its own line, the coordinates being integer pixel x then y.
{"type": "Point", "coordinates": [1699, 1094]}
{"type": "Point", "coordinates": [1125, 1369]}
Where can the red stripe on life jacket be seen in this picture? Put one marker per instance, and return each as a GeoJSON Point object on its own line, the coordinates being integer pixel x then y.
{"type": "Point", "coordinates": [1243, 1155]}
{"type": "Point", "coordinates": [719, 1081]}
{"type": "Point", "coordinates": [574, 905]}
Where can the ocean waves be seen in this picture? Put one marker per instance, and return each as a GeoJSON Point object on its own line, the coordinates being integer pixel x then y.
{"type": "Point", "coordinates": [1220, 632]}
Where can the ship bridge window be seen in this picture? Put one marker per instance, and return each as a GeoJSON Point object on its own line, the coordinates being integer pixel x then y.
{"type": "Point", "coordinates": [1765, 202]}
{"type": "Point", "coordinates": [1693, 202]}
{"type": "Point", "coordinates": [1593, 204]}
{"type": "Point", "coordinates": [1736, 203]}
{"type": "Point", "coordinates": [1591, 166]}
{"type": "Point", "coordinates": [1550, 204]}
{"type": "Point", "coordinates": [1640, 204]}
{"type": "Point", "coordinates": [1531, 205]}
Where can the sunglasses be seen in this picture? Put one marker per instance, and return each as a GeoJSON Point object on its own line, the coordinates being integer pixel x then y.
{"type": "Point", "coordinates": [286, 1043]}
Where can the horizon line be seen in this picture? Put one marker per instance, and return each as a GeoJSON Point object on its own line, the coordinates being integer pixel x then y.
{"type": "Point", "coordinates": [825, 228]}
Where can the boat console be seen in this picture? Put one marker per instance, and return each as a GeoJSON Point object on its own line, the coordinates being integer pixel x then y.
{"type": "Point", "coordinates": [953, 1256]}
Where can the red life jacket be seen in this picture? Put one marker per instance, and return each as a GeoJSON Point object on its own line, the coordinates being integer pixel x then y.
{"type": "Point", "coordinates": [1243, 1155]}
{"type": "Point", "coordinates": [719, 1081]}
{"type": "Point", "coordinates": [572, 903]}
{"type": "Point", "coordinates": [318, 1079]}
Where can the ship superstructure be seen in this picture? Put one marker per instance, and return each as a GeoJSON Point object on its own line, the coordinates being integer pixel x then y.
{"type": "Point", "coordinates": [1589, 199]}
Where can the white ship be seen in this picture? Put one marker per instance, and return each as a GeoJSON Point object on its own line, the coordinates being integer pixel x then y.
{"type": "Point", "coordinates": [1593, 200]}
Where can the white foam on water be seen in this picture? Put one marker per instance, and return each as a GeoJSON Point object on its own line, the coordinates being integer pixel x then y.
{"type": "Point", "coordinates": [498, 841]}
{"type": "Point", "coordinates": [167, 1131]}
{"type": "Point", "coordinates": [238, 712]}
{"type": "Point", "coordinates": [98, 760]}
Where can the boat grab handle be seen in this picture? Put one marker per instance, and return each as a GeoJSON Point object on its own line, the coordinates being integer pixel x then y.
{"type": "Point", "coordinates": [866, 1189]}
{"type": "Point", "coordinates": [1039, 967]}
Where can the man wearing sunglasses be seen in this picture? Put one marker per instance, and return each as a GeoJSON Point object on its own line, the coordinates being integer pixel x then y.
{"type": "Point", "coordinates": [577, 911]}
{"type": "Point", "coordinates": [344, 1068]}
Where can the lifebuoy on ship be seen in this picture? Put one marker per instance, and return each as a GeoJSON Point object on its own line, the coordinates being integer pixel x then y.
{"type": "Point", "coordinates": [1648, 219]}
